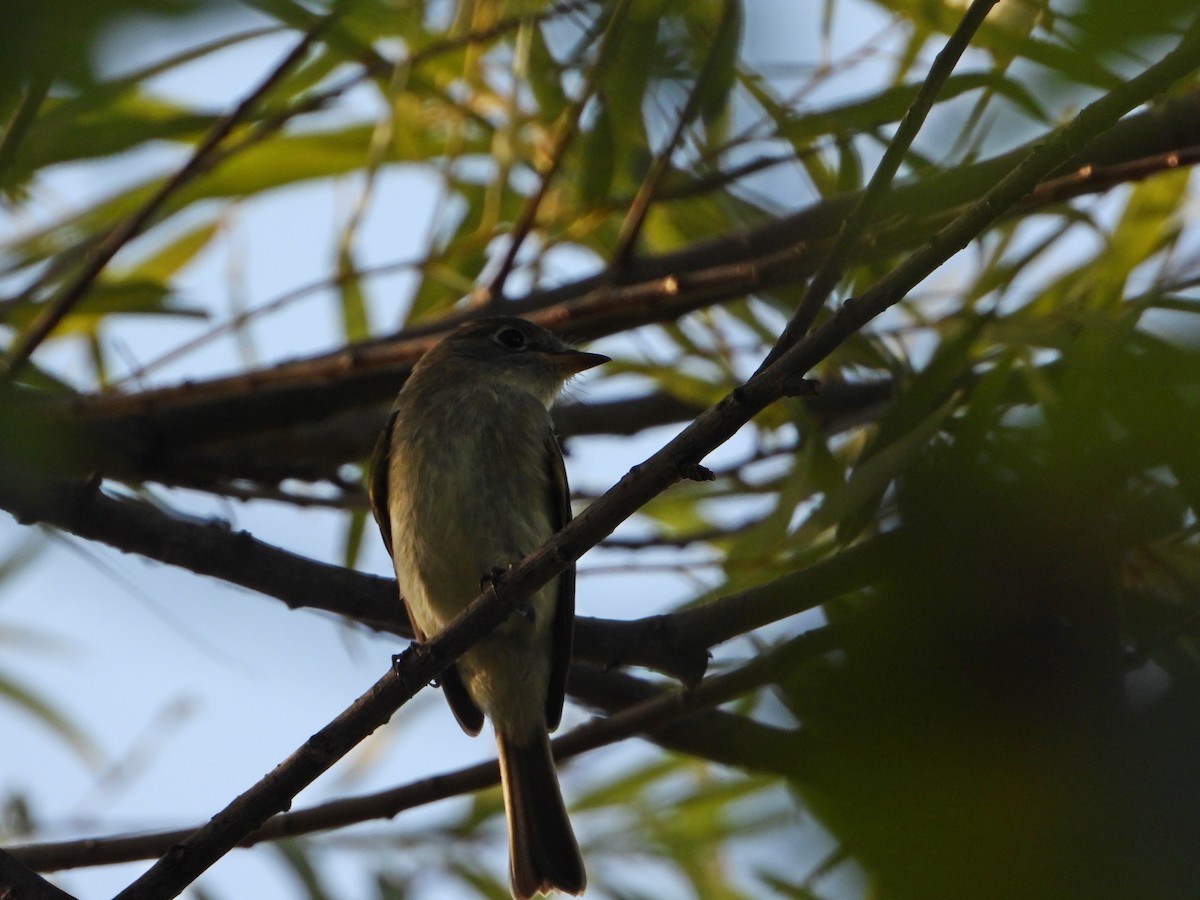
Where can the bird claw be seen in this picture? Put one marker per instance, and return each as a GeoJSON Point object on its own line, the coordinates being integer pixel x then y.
{"type": "Point", "coordinates": [491, 579]}
{"type": "Point", "coordinates": [414, 647]}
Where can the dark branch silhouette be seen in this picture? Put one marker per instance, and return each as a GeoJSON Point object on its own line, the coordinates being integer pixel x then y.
{"type": "Point", "coordinates": [655, 289]}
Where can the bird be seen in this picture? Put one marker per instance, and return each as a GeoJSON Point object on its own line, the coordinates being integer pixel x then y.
{"type": "Point", "coordinates": [467, 478]}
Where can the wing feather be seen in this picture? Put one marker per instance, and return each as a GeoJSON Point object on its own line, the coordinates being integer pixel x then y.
{"type": "Point", "coordinates": [563, 630]}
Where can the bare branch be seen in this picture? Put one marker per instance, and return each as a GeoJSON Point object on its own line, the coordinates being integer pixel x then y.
{"type": "Point", "coordinates": [420, 664]}
{"type": "Point", "coordinates": [17, 882]}
{"type": "Point", "coordinates": [708, 431]}
{"type": "Point", "coordinates": [212, 548]}
{"type": "Point", "coordinates": [788, 249]}
{"type": "Point", "coordinates": [317, 451]}
{"type": "Point", "coordinates": [708, 734]}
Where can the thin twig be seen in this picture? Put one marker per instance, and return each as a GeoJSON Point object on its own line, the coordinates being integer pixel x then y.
{"type": "Point", "coordinates": [131, 226]}
{"type": "Point", "coordinates": [834, 266]}
{"type": "Point", "coordinates": [631, 226]}
{"type": "Point", "coordinates": [708, 431]}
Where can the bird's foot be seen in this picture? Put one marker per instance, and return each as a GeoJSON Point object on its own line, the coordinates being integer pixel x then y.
{"type": "Point", "coordinates": [400, 662]}
{"type": "Point", "coordinates": [488, 583]}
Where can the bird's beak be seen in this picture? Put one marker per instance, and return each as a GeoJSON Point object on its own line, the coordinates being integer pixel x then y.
{"type": "Point", "coordinates": [572, 362]}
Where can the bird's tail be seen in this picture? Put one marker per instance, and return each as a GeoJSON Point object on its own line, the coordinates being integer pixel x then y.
{"type": "Point", "coordinates": [543, 855]}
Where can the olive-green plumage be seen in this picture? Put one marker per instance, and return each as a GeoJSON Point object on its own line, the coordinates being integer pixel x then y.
{"type": "Point", "coordinates": [467, 479]}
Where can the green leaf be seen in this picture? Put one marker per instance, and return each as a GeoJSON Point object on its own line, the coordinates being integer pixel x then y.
{"type": "Point", "coordinates": [165, 262]}
{"type": "Point", "coordinates": [109, 297]}
{"type": "Point", "coordinates": [68, 131]}
{"type": "Point", "coordinates": [261, 167]}
{"type": "Point", "coordinates": [1081, 67]}
{"type": "Point", "coordinates": [597, 153]}
{"type": "Point", "coordinates": [356, 325]}
{"type": "Point", "coordinates": [889, 106]}
{"type": "Point", "coordinates": [848, 506]}
{"type": "Point", "coordinates": [722, 70]}
{"type": "Point", "coordinates": [544, 77]}
{"type": "Point", "coordinates": [1149, 223]}
{"type": "Point", "coordinates": [356, 526]}
{"type": "Point", "coordinates": [623, 91]}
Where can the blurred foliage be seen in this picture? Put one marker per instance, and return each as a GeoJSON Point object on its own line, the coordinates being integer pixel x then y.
{"type": "Point", "coordinates": [16, 641]}
{"type": "Point", "coordinates": [52, 40]}
{"type": "Point", "coordinates": [1013, 714]}
{"type": "Point", "coordinates": [1012, 708]}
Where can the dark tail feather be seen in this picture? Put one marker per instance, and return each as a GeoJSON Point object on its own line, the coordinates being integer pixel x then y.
{"type": "Point", "coordinates": [543, 855]}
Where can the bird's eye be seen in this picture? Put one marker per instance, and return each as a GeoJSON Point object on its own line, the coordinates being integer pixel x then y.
{"type": "Point", "coordinates": [511, 338]}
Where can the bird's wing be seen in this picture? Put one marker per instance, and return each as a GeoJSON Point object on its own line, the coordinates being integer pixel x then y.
{"type": "Point", "coordinates": [563, 630]}
{"type": "Point", "coordinates": [470, 717]}
{"type": "Point", "coordinates": [377, 482]}
{"type": "Point", "coordinates": [468, 714]}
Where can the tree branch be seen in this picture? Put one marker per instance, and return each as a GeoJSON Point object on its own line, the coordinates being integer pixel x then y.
{"type": "Point", "coordinates": [185, 861]}
{"type": "Point", "coordinates": [708, 431]}
{"type": "Point", "coordinates": [415, 668]}
{"type": "Point", "coordinates": [317, 451]}
{"type": "Point", "coordinates": [212, 548]}
{"type": "Point", "coordinates": [709, 734]}
{"type": "Point", "coordinates": [17, 882]}
{"type": "Point", "coordinates": [657, 288]}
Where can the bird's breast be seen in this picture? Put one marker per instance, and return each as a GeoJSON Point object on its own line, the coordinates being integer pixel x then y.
{"type": "Point", "coordinates": [469, 492]}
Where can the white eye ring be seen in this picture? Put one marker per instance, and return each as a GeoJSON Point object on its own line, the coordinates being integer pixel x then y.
{"type": "Point", "coordinates": [511, 338]}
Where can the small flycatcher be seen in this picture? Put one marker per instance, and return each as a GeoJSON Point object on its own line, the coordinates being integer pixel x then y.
{"type": "Point", "coordinates": [467, 479]}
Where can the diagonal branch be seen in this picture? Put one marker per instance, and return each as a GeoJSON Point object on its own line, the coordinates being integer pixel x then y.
{"type": "Point", "coordinates": [851, 232]}
{"type": "Point", "coordinates": [185, 861]}
{"type": "Point", "coordinates": [413, 669]}
{"type": "Point", "coordinates": [18, 882]}
{"type": "Point", "coordinates": [708, 431]}
{"type": "Point", "coordinates": [131, 226]}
